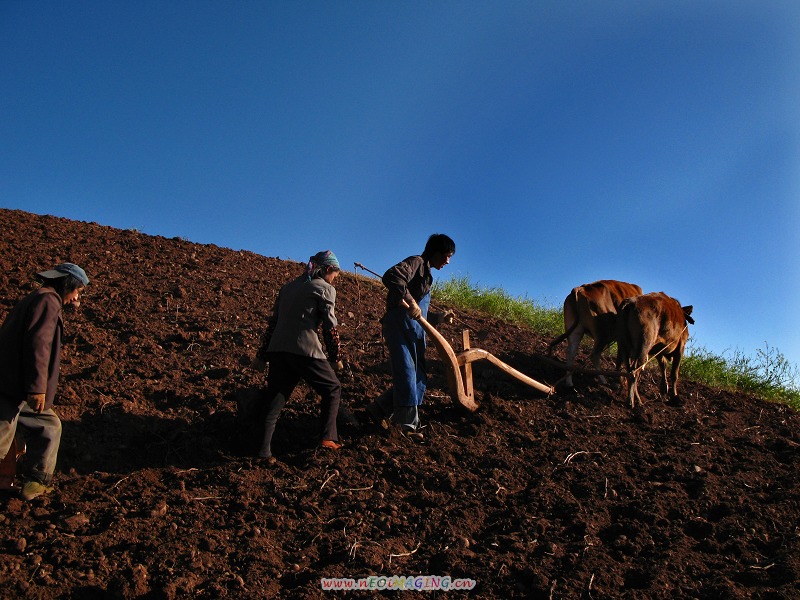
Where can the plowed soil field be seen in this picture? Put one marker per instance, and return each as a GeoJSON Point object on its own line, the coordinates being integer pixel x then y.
{"type": "Point", "coordinates": [568, 496]}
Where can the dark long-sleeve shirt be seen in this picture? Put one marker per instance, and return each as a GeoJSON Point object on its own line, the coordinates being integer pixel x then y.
{"type": "Point", "coordinates": [407, 280]}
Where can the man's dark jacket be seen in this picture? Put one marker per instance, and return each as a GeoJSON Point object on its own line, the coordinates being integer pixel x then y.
{"type": "Point", "coordinates": [30, 348]}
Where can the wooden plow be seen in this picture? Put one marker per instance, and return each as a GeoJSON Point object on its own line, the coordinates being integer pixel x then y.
{"type": "Point", "coordinates": [459, 367]}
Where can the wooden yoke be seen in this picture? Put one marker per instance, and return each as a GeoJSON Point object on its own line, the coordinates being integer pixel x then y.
{"type": "Point", "coordinates": [459, 368]}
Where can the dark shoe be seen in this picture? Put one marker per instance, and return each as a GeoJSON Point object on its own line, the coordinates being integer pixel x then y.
{"type": "Point", "coordinates": [330, 445]}
{"type": "Point", "coordinates": [676, 401]}
{"type": "Point", "coordinates": [376, 414]}
{"type": "Point", "coordinates": [33, 489]}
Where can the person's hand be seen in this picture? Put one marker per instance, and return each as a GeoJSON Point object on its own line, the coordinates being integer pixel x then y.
{"type": "Point", "coordinates": [258, 364]}
{"type": "Point", "coordinates": [437, 318]}
{"type": "Point", "coordinates": [414, 311]}
{"type": "Point", "coordinates": [338, 366]}
{"type": "Point", "coordinates": [36, 402]}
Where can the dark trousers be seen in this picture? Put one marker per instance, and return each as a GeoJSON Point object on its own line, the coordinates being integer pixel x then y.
{"type": "Point", "coordinates": [285, 372]}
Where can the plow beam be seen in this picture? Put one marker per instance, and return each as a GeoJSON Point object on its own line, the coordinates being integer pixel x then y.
{"type": "Point", "coordinates": [459, 368]}
{"type": "Point", "coordinates": [474, 354]}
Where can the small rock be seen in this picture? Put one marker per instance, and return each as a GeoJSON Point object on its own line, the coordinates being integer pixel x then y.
{"type": "Point", "coordinates": [75, 522]}
{"type": "Point", "coordinates": [160, 510]}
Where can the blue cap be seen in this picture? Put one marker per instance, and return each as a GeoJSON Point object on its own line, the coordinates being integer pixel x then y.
{"type": "Point", "coordinates": [66, 269]}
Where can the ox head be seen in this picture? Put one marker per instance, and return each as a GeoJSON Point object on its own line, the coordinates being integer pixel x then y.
{"type": "Point", "coordinates": [687, 311]}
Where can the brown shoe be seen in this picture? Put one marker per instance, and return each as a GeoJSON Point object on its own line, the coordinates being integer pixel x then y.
{"type": "Point", "coordinates": [330, 445]}
{"type": "Point", "coordinates": [412, 434]}
{"type": "Point", "coordinates": [34, 489]}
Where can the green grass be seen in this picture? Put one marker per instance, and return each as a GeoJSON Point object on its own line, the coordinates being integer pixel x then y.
{"type": "Point", "coordinates": [767, 374]}
{"type": "Point", "coordinates": [461, 293]}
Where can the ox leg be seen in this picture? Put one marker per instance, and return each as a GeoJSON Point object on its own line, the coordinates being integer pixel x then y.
{"type": "Point", "coordinates": [623, 362]}
{"type": "Point", "coordinates": [633, 391]}
{"type": "Point", "coordinates": [662, 364]}
{"type": "Point", "coordinates": [574, 342]}
{"type": "Point", "coordinates": [673, 376]}
{"type": "Point", "coordinates": [599, 345]}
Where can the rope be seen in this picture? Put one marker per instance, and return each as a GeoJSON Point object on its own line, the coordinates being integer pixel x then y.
{"type": "Point", "coordinates": [635, 371]}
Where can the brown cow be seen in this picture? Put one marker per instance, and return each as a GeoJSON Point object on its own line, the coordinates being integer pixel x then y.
{"type": "Point", "coordinates": [652, 325]}
{"type": "Point", "coordinates": [592, 309]}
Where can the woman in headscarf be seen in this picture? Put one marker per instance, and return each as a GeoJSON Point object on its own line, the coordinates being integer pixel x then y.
{"type": "Point", "coordinates": [30, 348]}
{"type": "Point", "coordinates": [293, 350]}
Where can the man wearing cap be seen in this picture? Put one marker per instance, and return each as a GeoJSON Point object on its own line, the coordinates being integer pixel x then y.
{"type": "Point", "coordinates": [30, 349]}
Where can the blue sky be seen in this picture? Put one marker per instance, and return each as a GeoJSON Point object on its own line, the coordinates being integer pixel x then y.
{"type": "Point", "coordinates": [556, 142]}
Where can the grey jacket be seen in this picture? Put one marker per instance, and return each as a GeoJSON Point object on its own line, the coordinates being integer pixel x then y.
{"type": "Point", "coordinates": [302, 306]}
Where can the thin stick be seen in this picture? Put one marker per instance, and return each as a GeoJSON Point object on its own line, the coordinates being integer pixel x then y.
{"type": "Point", "coordinates": [360, 266]}
{"type": "Point", "coordinates": [369, 487]}
{"type": "Point", "coordinates": [574, 454]}
{"type": "Point", "coordinates": [404, 553]}
{"type": "Point", "coordinates": [334, 474]}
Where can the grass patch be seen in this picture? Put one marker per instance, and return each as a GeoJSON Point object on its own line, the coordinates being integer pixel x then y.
{"type": "Point", "coordinates": [768, 374]}
{"type": "Point", "coordinates": [496, 302]}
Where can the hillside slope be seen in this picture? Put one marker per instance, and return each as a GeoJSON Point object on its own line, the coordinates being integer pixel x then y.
{"type": "Point", "coordinates": [571, 496]}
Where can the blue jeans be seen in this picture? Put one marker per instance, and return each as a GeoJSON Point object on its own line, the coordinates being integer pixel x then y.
{"type": "Point", "coordinates": [405, 340]}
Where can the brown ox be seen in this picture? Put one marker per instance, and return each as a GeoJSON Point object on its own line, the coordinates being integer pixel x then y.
{"type": "Point", "coordinates": [652, 326]}
{"type": "Point", "coordinates": [592, 309]}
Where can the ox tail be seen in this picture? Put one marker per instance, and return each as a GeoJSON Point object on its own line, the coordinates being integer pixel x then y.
{"type": "Point", "coordinates": [562, 337]}
{"type": "Point", "coordinates": [572, 302]}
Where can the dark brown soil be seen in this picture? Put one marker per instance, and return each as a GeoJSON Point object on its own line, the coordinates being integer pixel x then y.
{"type": "Point", "coordinates": [572, 496]}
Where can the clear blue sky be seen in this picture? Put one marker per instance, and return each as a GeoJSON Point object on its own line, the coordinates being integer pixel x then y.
{"type": "Point", "coordinates": [556, 142]}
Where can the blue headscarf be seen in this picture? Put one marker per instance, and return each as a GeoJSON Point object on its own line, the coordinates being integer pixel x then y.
{"type": "Point", "coordinates": [319, 262]}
